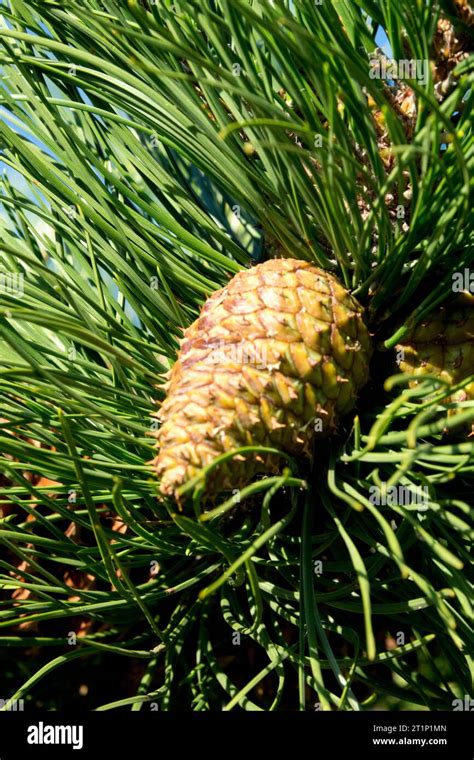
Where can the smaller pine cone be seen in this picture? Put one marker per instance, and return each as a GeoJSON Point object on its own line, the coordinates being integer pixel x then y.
{"type": "Point", "coordinates": [443, 346]}
{"type": "Point", "coordinates": [275, 357]}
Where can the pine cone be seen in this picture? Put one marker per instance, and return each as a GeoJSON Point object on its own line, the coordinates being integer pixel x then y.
{"type": "Point", "coordinates": [443, 346]}
{"type": "Point", "coordinates": [274, 359]}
